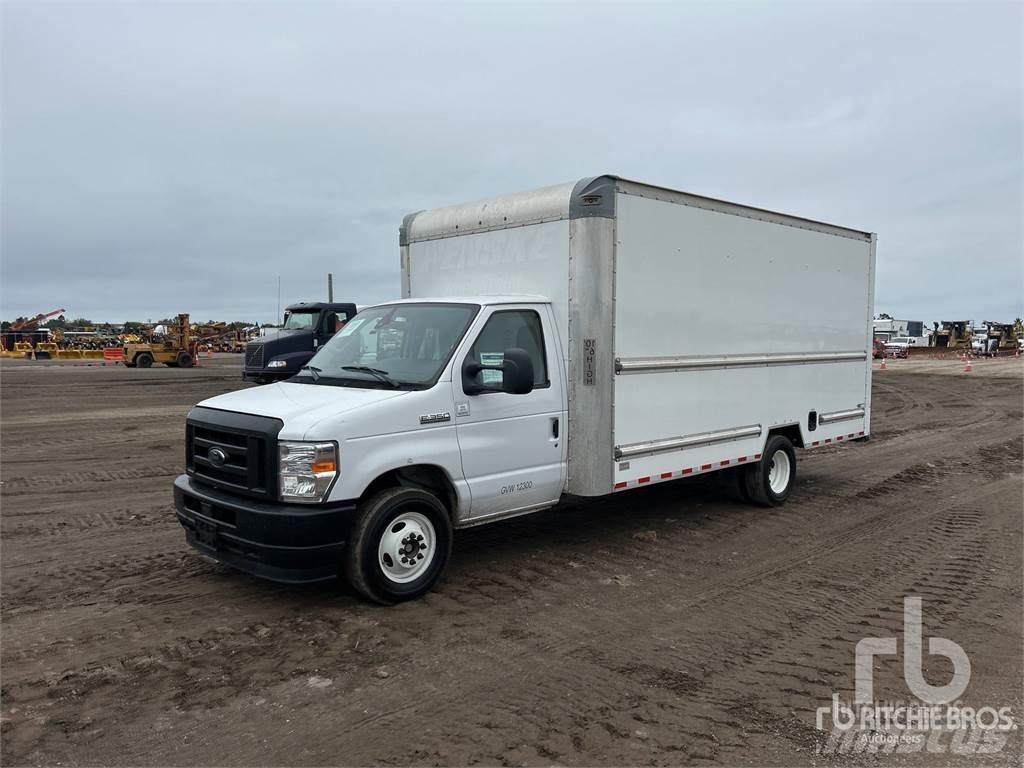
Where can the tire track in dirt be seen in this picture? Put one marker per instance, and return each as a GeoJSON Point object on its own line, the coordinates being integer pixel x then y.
{"type": "Point", "coordinates": [81, 481]}
{"type": "Point", "coordinates": [44, 444]}
{"type": "Point", "coordinates": [91, 521]}
{"type": "Point", "coordinates": [614, 632]}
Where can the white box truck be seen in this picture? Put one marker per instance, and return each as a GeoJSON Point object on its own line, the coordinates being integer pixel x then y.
{"type": "Point", "coordinates": [577, 340]}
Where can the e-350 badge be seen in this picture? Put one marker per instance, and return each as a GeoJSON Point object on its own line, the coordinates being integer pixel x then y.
{"type": "Point", "coordinates": [435, 418]}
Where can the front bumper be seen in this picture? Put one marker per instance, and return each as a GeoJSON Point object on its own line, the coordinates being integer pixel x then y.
{"type": "Point", "coordinates": [267, 374]}
{"type": "Point", "coordinates": [282, 542]}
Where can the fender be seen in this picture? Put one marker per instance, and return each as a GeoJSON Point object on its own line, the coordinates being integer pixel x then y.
{"type": "Point", "coordinates": [364, 460]}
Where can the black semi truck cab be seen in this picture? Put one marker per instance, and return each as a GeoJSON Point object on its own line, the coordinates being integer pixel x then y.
{"type": "Point", "coordinates": [307, 326]}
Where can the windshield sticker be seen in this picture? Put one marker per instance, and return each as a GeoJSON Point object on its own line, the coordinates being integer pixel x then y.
{"type": "Point", "coordinates": [352, 326]}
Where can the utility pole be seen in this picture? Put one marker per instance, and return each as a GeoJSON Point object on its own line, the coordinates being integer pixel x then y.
{"type": "Point", "coordinates": [330, 287]}
{"type": "Point", "coordinates": [277, 318]}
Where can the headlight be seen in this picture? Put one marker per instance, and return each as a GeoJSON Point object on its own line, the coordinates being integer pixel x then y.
{"type": "Point", "coordinates": [307, 470]}
{"type": "Point", "coordinates": [277, 364]}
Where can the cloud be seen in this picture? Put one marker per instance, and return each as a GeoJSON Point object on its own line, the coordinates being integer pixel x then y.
{"type": "Point", "coordinates": [159, 158]}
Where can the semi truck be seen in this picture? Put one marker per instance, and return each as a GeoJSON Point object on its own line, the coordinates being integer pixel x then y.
{"type": "Point", "coordinates": [306, 327]}
{"type": "Point", "coordinates": [547, 345]}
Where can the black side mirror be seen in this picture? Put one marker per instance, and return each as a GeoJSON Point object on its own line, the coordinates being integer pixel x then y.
{"type": "Point", "coordinates": [516, 374]}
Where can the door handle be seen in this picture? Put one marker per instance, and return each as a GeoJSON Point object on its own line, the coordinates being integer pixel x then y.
{"type": "Point", "coordinates": [554, 428]}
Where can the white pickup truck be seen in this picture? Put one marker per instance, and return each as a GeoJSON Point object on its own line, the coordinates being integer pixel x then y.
{"type": "Point", "coordinates": [577, 340]}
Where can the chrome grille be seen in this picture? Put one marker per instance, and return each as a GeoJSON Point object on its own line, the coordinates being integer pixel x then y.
{"type": "Point", "coordinates": [254, 356]}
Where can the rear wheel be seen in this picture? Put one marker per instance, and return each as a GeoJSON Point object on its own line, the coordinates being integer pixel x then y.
{"type": "Point", "coordinates": [400, 544]}
{"type": "Point", "coordinates": [144, 360]}
{"type": "Point", "coordinates": [732, 483]}
{"type": "Point", "coordinates": [770, 481]}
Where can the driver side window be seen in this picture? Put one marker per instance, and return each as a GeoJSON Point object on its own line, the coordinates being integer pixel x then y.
{"type": "Point", "coordinates": [511, 328]}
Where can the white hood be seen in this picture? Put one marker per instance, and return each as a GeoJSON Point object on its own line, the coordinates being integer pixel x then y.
{"type": "Point", "coordinates": [291, 403]}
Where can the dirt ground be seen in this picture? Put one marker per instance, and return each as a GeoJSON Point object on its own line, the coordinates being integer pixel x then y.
{"type": "Point", "coordinates": [668, 626]}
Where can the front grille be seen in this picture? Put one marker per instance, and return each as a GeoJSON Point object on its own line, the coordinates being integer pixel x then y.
{"type": "Point", "coordinates": [254, 356]}
{"type": "Point", "coordinates": [234, 452]}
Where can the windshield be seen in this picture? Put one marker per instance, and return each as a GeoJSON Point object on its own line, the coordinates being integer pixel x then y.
{"type": "Point", "coordinates": [396, 345]}
{"type": "Point", "coordinates": [297, 321]}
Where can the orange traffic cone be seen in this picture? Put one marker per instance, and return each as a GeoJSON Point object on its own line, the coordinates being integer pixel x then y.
{"type": "Point", "coordinates": [883, 366]}
{"type": "Point", "coordinates": [967, 366]}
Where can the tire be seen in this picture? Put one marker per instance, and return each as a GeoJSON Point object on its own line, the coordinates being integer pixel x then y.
{"type": "Point", "coordinates": [732, 484]}
{"type": "Point", "coordinates": [770, 481]}
{"type": "Point", "coordinates": [184, 360]}
{"type": "Point", "coordinates": [144, 360]}
{"type": "Point", "coordinates": [375, 565]}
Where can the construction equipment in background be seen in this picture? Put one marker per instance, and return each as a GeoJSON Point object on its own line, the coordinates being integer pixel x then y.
{"type": "Point", "coordinates": [998, 339]}
{"type": "Point", "coordinates": [175, 349]}
{"type": "Point", "coordinates": [32, 321]}
{"type": "Point", "coordinates": [14, 338]}
{"type": "Point", "coordinates": [951, 335]}
{"type": "Point", "coordinates": [239, 340]}
{"type": "Point", "coordinates": [218, 338]}
{"type": "Point", "coordinates": [877, 348]}
{"type": "Point", "coordinates": [21, 349]}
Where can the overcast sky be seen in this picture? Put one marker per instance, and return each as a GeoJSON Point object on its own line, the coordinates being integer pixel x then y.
{"type": "Point", "coordinates": [159, 158]}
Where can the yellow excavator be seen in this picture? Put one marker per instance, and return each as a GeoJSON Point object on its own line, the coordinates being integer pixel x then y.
{"type": "Point", "coordinates": [175, 349]}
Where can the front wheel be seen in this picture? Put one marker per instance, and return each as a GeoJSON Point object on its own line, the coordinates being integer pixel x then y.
{"type": "Point", "coordinates": [399, 546]}
{"type": "Point", "coordinates": [770, 481]}
{"type": "Point", "coordinates": [144, 360]}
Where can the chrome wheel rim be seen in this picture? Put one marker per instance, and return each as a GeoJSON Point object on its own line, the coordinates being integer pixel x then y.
{"type": "Point", "coordinates": [779, 471]}
{"type": "Point", "coordinates": [407, 547]}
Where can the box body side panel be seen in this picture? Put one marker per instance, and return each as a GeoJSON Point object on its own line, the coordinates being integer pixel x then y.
{"type": "Point", "coordinates": [727, 326]}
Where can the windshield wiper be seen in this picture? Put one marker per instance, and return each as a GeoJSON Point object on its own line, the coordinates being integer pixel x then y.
{"type": "Point", "coordinates": [313, 370]}
{"type": "Point", "coordinates": [375, 372]}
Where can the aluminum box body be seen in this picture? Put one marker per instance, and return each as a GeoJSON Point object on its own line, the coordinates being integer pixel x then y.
{"type": "Point", "coordinates": [690, 327]}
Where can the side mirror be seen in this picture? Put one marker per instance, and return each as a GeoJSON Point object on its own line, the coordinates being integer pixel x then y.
{"type": "Point", "coordinates": [330, 325]}
{"type": "Point", "coordinates": [516, 374]}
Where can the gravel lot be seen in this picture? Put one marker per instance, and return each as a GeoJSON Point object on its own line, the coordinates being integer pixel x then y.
{"type": "Point", "coordinates": [668, 626]}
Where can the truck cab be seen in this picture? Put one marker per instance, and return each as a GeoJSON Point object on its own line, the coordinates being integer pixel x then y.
{"type": "Point", "coordinates": [275, 474]}
{"type": "Point", "coordinates": [306, 327]}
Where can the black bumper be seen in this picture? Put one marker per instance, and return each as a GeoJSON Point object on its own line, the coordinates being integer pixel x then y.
{"type": "Point", "coordinates": [267, 374]}
{"type": "Point", "coordinates": [282, 542]}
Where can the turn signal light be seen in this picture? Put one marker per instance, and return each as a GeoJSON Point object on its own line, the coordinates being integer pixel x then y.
{"type": "Point", "coordinates": [327, 465]}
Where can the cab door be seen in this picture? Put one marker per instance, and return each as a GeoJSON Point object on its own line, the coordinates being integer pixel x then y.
{"type": "Point", "coordinates": [513, 446]}
{"type": "Point", "coordinates": [330, 323]}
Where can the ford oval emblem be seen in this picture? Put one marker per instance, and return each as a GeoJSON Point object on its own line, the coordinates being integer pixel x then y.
{"type": "Point", "coordinates": [217, 456]}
